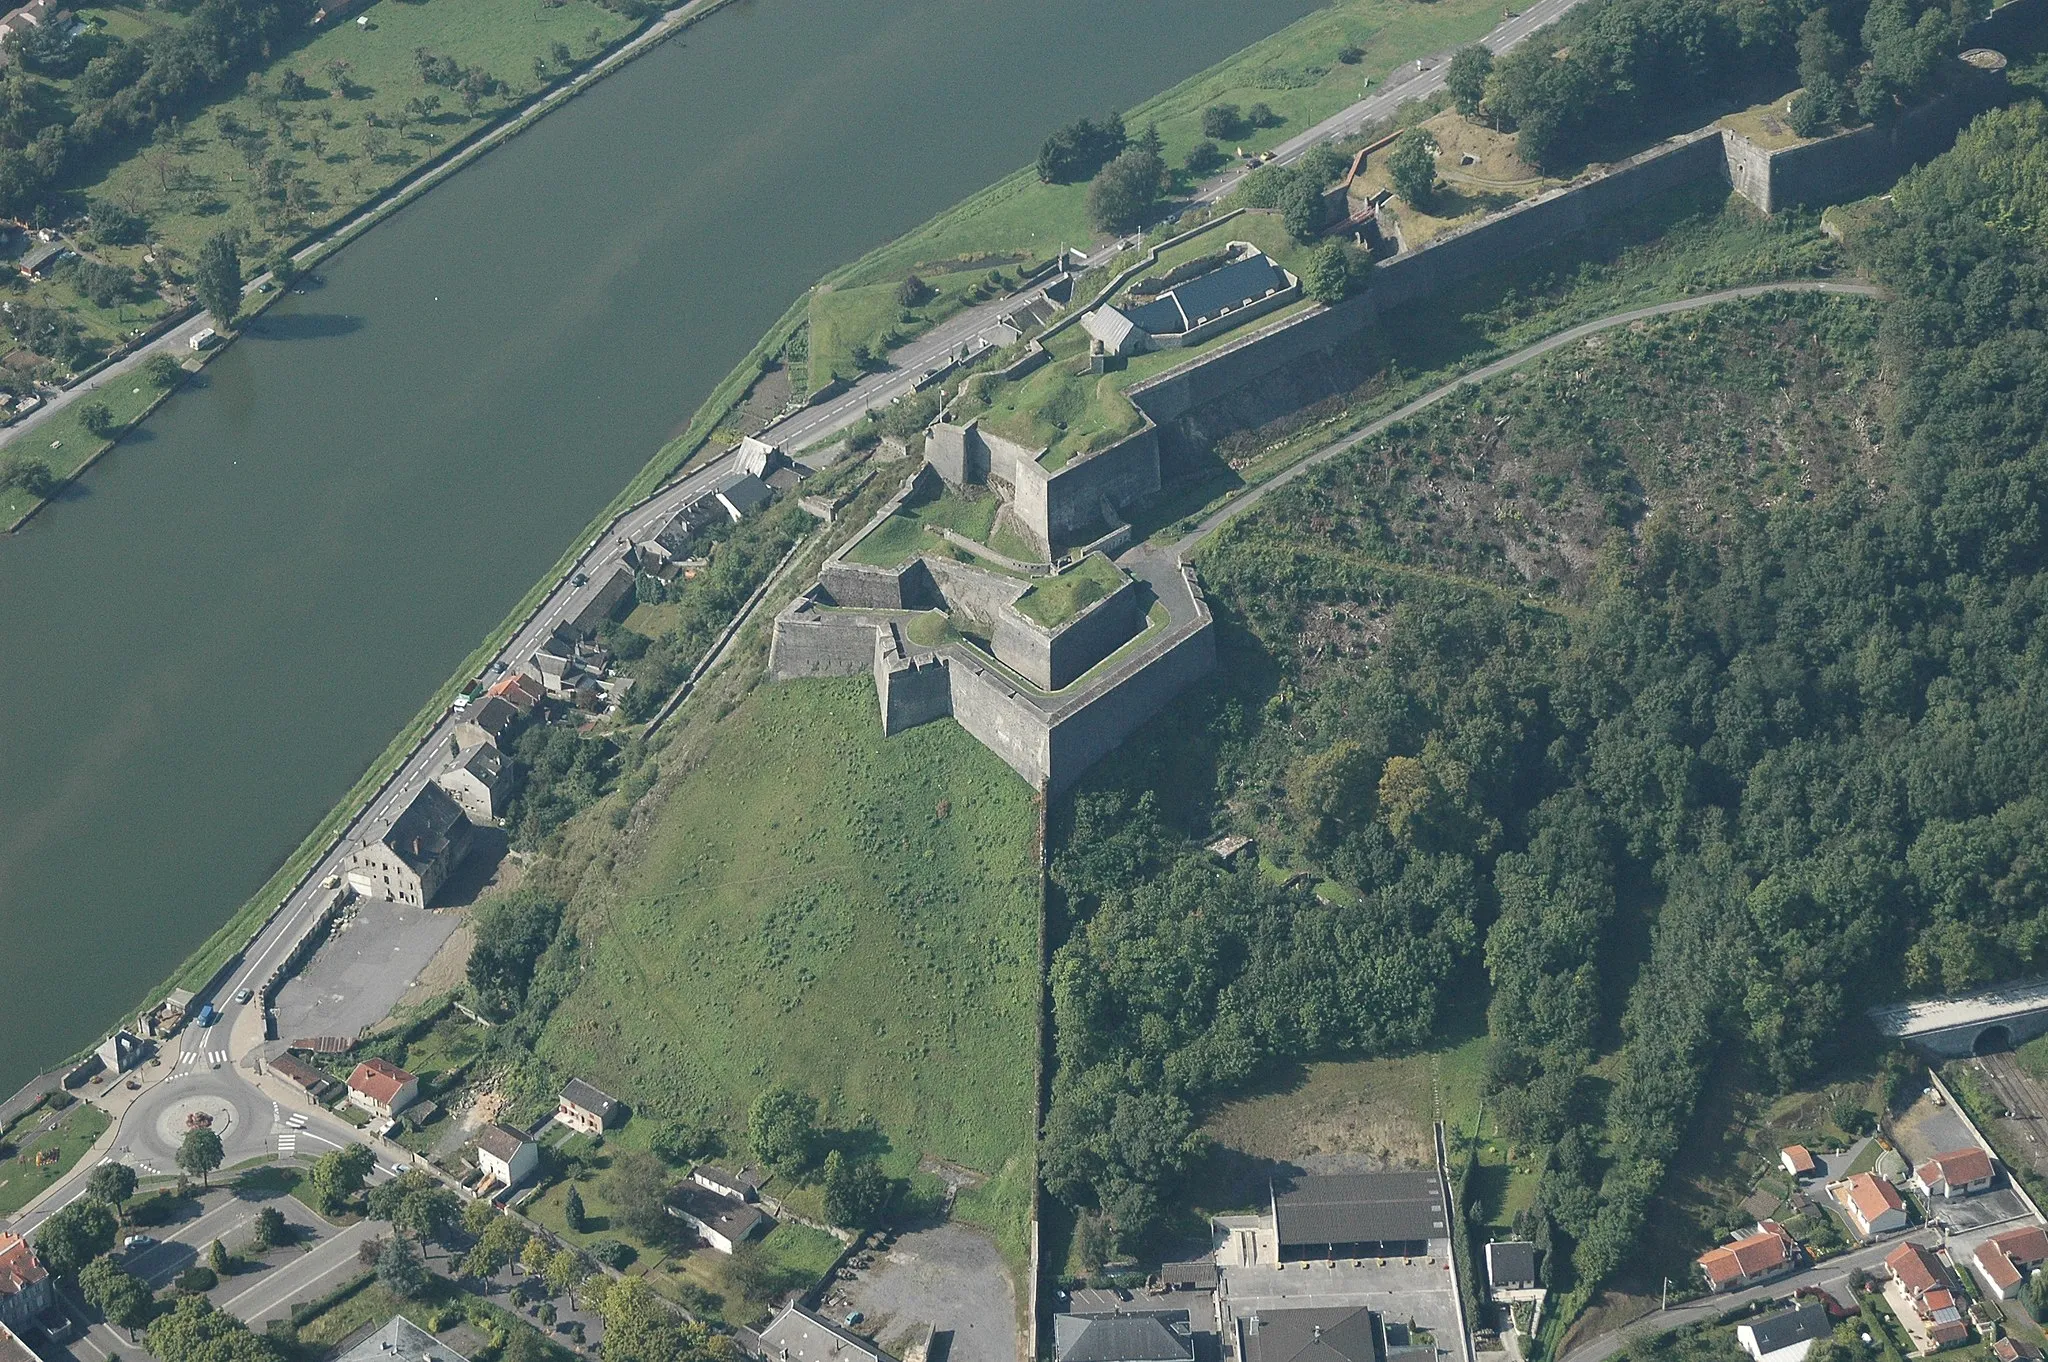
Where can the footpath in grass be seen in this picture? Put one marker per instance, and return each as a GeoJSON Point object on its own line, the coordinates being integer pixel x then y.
{"type": "Point", "coordinates": [818, 907]}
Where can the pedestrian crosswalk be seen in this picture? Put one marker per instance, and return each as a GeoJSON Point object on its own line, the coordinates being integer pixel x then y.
{"type": "Point", "coordinates": [204, 1057]}
{"type": "Point", "coordinates": [297, 1121]}
{"type": "Point", "coordinates": [288, 1142]}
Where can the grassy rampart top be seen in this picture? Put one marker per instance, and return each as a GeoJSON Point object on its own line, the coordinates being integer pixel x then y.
{"type": "Point", "coordinates": [1056, 600]}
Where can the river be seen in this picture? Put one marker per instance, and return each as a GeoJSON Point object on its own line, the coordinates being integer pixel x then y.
{"type": "Point", "coordinates": [211, 639]}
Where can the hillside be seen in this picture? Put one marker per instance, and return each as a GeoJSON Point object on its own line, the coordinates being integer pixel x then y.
{"type": "Point", "coordinates": [803, 904]}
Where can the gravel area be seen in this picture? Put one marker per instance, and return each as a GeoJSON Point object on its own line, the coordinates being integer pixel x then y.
{"type": "Point", "coordinates": [950, 1277]}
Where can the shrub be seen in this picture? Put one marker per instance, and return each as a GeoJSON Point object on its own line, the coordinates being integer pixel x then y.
{"type": "Point", "coordinates": [198, 1279]}
{"type": "Point", "coordinates": [1222, 121]}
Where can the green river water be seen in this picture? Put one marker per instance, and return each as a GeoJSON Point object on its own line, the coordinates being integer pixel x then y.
{"type": "Point", "coordinates": [210, 640]}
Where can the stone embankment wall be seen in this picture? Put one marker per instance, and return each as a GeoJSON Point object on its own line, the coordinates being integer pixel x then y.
{"type": "Point", "coordinates": [1049, 506]}
{"type": "Point", "coordinates": [811, 642]}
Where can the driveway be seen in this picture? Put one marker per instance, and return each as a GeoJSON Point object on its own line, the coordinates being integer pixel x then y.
{"type": "Point", "coordinates": [951, 1278]}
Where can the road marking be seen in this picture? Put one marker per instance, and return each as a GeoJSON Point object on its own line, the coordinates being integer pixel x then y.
{"type": "Point", "coordinates": [297, 1120]}
{"type": "Point", "coordinates": [288, 1143]}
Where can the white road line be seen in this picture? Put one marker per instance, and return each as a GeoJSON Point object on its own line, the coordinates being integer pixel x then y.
{"type": "Point", "coordinates": [230, 1304]}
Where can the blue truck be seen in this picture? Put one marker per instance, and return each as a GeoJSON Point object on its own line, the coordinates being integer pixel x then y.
{"type": "Point", "coordinates": [207, 1016]}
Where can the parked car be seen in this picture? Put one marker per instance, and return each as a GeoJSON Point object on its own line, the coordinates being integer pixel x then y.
{"type": "Point", "coordinates": [243, 995]}
{"type": "Point", "coordinates": [138, 1241]}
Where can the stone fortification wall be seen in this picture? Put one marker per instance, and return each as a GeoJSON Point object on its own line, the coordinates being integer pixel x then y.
{"type": "Point", "coordinates": [1863, 161]}
{"type": "Point", "coordinates": [1230, 321]}
{"type": "Point", "coordinates": [1138, 688]}
{"type": "Point", "coordinates": [1071, 500]}
{"type": "Point", "coordinates": [1749, 168]}
{"type": "Point", "coordinates": [1001, 719]}
{"type": "Point", "coordinates": [1053, 659]}
{"type": "Point", "coordinates": [862, 587]}
{"type": "Point", "coordinates": [910, 692]}
{"type": "Point", "coordinates": [1548, 218]}
{"type": "Point", "coordinates": [950, 452]}
{"type": "Point", "coordinates": [808, 642]}
{"type": "Point", "coordinates": [1171, 395]}
{"type": "Point", "coordinates": [975, 592]}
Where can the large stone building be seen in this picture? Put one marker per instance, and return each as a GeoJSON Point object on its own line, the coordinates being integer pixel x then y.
{"type": "Point", "coordinates": [416, 854]}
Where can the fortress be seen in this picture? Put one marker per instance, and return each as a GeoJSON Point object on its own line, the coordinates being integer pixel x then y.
{"type": "Point", "coordinates": [1051, 666]}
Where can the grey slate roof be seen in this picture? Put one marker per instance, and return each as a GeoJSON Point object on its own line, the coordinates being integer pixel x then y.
{"type": "Point", "coordinates": [493, 714]}
{"type": "Point", "coordinates": [1123, 1338]}
{"type": "Point", "coordinates": [424, 832]}
{"type": "Point", "coordinates": [581, 1094]}
{"type": "Point", "coordinates": [1352, 1208]}
{"type": "Point", "coordinates": [402, 1341]}
{"type": "Point", "coordinates": [744, 493]}
{"type": "Point", "coordinates": [1341, 1333]}
{"type": "Point", "coordinates": [1510, 1261]}
{"type": "Point", "coordinates": [1790, 1327]}
{"type": "Point", "coordinates": [500, 1140]}
{"type": "Point", "coordinates": [1203, 298]}
{"type": "Point", "coordinates": [800, 1336]}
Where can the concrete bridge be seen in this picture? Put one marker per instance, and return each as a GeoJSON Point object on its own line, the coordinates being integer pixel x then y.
{"type": "Point", "coordinates": [1981, 1023]}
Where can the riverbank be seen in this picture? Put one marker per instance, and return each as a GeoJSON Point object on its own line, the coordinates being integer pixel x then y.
{"type": "Point", "coordinates": [262, 291]}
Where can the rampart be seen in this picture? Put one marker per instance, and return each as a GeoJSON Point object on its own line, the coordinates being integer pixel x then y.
{"type": "Point", "coordinates": [1051, 506]}
{"type": "Point", "coordinates": [1056, 658]}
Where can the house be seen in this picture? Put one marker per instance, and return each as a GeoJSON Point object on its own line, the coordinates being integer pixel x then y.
{"type": "Point", "coordinates": [1758, 1257]}
{"type": "Point", "coordinates": [26, 1289]}
{"type": "Point", "coordinates": [36, 264]}
{"type": "Point", "coordinates": [518, 690]}
{"type": "Point", "coordinates": [1926, 1302]}
{"type": "Point", "coordinates": [1786, 1336]}
{"type": "Point", "coordinates": [122, 1051]}
{"type": "Point", "coordinates": [722, 1223]}
{"type": "Point", "coordinates": [740, 1186]}
{"type": "Point", "coordinates": [1118, 333]}
{"type": "Point", "coordinates": [479, 780]}
{"type": "Point", "coordinates": [1147, 1336]}
{"type": "Point", "coordinates": [1343, 1333]}
{"type": "Point", "coordinates": [382, 1088]}
{"type": "Point", "coordinates": [2005, 1261]}
{"type": "Point", "coordinates": [742, 494]}
{"type": "Point", "coordinates": [2010, 1349]}
{"type": "Point", "coordinates": [416, 854]}
{"type": "Point", "coordinates": [599, 608]}
{"type": "Point", "coordinates": [506, 1156]}
{"type": "Point", "coordinates": [402, 1341]}
{"type": "Point", "coordinates": [487, 721]}
{"type": "Point", "coordinates": [1960, 1172]}
{"type": "Point", "coordinates": [1798, 1160]}
{"type": "Point", "coordinates": [758, 458]}
{"type": "Point", "coordinates": [1872, 1204]}
{"type": "Point", "coordinates": [797, 1335]}
{"type": "Point", "coordinates": [1511, 1265]}
{"type": "Point", "coordinates": [585, 1109]}
{"type": "Point", "coordinates": [300, 1074]}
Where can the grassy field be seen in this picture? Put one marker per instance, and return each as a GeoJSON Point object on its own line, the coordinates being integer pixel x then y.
{"type": "Point", "coordinates": [871, 314]}
{"type": "Point", "coordinates": [903, 535]}
{"type": "Point", "coordinates": [1494, 179]}
{"type": "Point", "coordinates": [812, 905]}
{"type": "Point", "coordinates": [66, 445]}
{"type": "Point", "coordinates": [202, 181]}
{"type": "Point", "coordinates": [1296, 72]}
{"type": "Point", "coordinates": [66, 1134]}
{"type": "Point", "coordinates": [1055, 600]}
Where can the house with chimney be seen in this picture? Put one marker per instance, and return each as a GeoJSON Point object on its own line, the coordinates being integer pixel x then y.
{"type": "Point", "coordinates": [382, 1088]}
{"type": "Point", "coordinates": [1960, 1172]}
{"type": "Point", "coordinates": [415, 856]}
{"type": "Point", "coordinates": [1872, 1204]}
{"type": "Point", "coordinates": [479, 780]}
{"type": "Point", "coordinates": [1769, 1252]}
{"type": "Point", "coordinates": [26, 1289]}
{"type": "Point", "coordinates": [1927, 1302]}
{"type": "Point", "coordinates": [2005, 1261]}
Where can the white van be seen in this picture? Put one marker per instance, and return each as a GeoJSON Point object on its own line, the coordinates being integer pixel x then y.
{"type": "Point", "coordinates": [204, 338]}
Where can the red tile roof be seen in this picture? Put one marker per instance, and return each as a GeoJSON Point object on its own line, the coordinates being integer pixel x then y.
{"type": "Point", "coordinates": [2027, 1245]}
{"type": "Point", "coordinates": [1769, 1249]}
{"type": "Point", "coordinates": [1872, 1196]}
{"type": "Point", "coordinates": [1800, 1159]}
{"type": "Point", "coordinates": [19, 1266]}
{"type": "Point", "coordinates": [379, 1080]}
{"type": "Point", "coordinates": [1998, 1267]}
{"type": "Point", "coordinates": [1957, 1167]}
{"type": "Point", "coordinates": [1915, 1268]}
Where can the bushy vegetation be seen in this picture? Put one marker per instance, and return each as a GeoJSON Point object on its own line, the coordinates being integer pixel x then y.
{"type": "Point", "coordinates": [1621, 68]}
{"type": "Point", "coordinates": [1701, 808]}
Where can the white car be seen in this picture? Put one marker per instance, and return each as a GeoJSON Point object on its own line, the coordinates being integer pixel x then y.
{"type": "Point", "coordinates": [138, 1241]}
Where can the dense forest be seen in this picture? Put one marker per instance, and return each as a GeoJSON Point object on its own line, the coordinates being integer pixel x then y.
{"type": "Point", "coordinates": [1752, 775]}
{"type": "Point", "coordinates": [1616, 68]}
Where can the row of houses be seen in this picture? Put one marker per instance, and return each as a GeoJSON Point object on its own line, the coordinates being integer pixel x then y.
{"type": "Point", "coordinates": [759, 471]}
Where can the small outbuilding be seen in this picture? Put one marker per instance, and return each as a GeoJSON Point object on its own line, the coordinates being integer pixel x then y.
{"type": "Point", "coordinates": [1798, 1160]}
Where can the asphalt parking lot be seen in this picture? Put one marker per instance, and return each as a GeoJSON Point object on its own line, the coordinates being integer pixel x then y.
{"type": "Point", "coordinates": [354, 979]}
{"type": "Point", "coordinates": [950, 1277]}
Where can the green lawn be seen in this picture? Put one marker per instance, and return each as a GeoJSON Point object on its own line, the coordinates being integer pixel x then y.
{"type": "Point", "coordinates": [902, 536]}
{"type": "Point", "coordinates": [1060, 407]}
{"type": "Point", "coordinates": [65, 444]}
{"type": "Point", "coordinates": [816, 906]}
{"type": "Point", "coordinates": [1055, 600]}
{"type": "Point", "coordinates": [1295, 71]}
{"type": "Point", "coordinates": [895, 541]}
{"type": "Point", "coordinates": [203, 184]}
{"type": "Point", "coordinates": [868, 314]}
{"type": "Point", "coordinates": [72, 1135]}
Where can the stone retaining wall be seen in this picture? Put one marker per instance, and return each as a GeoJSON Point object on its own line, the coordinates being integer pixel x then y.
{"type": "Point", "coordinates": [819, 644]}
